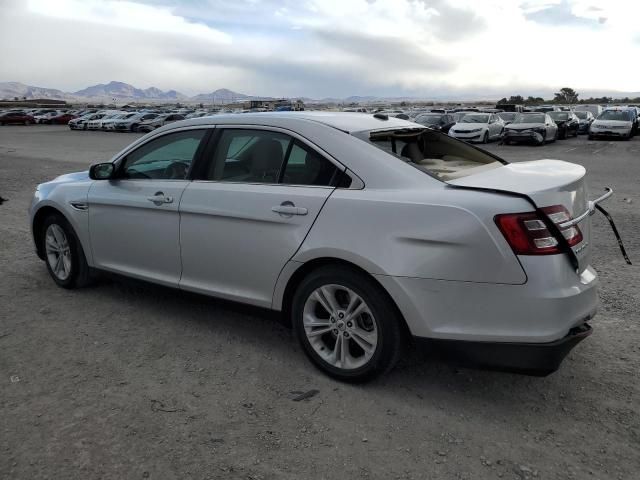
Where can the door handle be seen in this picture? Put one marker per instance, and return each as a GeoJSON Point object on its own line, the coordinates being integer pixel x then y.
{"type": "Point", "coordinates": [159, 198]}
{"type": "Point", "coordinates": [288, 209]}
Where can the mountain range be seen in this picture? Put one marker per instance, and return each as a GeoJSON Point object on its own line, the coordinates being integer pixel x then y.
{"type": "Point", "coordinates": [120, 91]}
{"type": "Point", "coordinates": [124, 92]}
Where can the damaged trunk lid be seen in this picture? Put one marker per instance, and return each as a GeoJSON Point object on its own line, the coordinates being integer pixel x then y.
{"type": "Point", "coordinates": [553, 186]}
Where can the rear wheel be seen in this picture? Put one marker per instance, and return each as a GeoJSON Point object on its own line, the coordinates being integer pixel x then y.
{"type": "Point", "coordinates": [64, 256]}
{"type": "Point", "coordinates": [346, 324]}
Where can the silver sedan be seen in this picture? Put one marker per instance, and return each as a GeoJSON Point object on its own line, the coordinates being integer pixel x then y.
{"type": "Point", "coordinates": [366, 231]}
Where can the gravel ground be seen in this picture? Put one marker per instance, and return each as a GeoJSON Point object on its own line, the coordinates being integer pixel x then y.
{"type": "Point", "coordinates": [129, 380]}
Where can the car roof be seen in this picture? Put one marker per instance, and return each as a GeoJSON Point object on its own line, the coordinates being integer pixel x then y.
{"type": "Point", "coordinates": [345, 121]}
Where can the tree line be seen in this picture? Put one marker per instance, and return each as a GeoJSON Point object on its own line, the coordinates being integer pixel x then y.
{"type": "Point", "coordinates": [566, 95]}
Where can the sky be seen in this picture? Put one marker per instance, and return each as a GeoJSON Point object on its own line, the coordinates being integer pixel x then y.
{"type": "Point", "coordinates": [325, 48]}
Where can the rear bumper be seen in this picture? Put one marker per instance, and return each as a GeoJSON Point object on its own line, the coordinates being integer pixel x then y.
{"type": "Point", "coordinates": [528, 358]}
{"type": "Point", "coordinates": [544, 309]}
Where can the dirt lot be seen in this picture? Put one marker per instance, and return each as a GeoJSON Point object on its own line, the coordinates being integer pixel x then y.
{"type": "Point", "coordinates": [130, 380]}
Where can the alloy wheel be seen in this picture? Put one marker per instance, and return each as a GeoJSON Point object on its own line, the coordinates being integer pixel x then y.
{"type": "Point", "coordinates": [340, 327]}
{"type": "Point", "coordinates": [58, 251]}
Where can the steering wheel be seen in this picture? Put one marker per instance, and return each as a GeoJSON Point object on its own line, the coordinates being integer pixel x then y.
{"type": "Point", "coordinates": [176, 170]}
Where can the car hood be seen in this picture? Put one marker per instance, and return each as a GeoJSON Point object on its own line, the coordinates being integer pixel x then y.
{"type": "Point", "coordinates": [524, 126]}
{"type": "Point", "coordinates": [71, 177]}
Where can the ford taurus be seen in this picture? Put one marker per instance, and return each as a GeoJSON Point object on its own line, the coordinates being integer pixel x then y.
{"type": "Point", "coordinates": [365, 231]}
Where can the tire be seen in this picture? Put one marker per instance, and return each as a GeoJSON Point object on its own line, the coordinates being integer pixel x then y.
{"type": "Point", "coordinates": [27, 122]}
{"type": "Point", "coordinates": [379, 323]}
{"type": "Point", "coordinates": [134, 127]}
{"type": "Point", "coordinates": [485, 138]}
{"type": "Point", "coordinates": [589, 137]}
{"type": "Point", "coordinates": [73, 271]}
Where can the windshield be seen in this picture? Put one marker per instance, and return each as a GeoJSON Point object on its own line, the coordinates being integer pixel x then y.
{"type": "Point", "coordinates": [559, 115]}
{"type": "Point", "coordinates": [508, 116]}
{"type": "Point", "coordinates": [470, 118]}
{"type": "Point", "coordinates": [431, 152]}
{"type": "Point", "coordinates": [428, 119]}
{"type": "Point", "coordinates": [615, 115]}
{"type": "Point", "coordinates": [582, 115]}
{"type": "Point", "coordinates": [535, 118]}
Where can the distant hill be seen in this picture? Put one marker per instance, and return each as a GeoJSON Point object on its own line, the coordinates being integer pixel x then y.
{"type": "Point", "coordinates": [222, 95]}
{"type": "Point", "coordinates": [10, 90]}
{"type": "Point", "coordinates": [125, 92]}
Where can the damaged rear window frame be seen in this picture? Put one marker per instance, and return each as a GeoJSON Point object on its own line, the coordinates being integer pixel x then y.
{"type": "Point", "coordinates": [367, 136]}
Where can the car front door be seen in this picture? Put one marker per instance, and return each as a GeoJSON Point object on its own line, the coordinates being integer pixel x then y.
{"type": "Point", "coordinates": [248, 211]}
{"type": "Point", "coordinates": [133, 218]}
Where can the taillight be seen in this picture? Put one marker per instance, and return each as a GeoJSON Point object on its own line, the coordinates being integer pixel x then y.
{"type": "Point", "coordinates": [527, 233]}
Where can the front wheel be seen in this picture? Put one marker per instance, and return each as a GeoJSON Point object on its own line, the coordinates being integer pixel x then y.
{"type": "Point", "coordinates": [485, 138]}
{"type": "Point", "coordinates": [346, 324]}
{"type": "Point", "coordinates": [64, 256]}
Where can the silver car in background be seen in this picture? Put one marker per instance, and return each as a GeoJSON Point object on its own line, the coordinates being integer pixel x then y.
{"type": "Point", "coordinates": [536, 127]}
{"type": "Point", "coordinates": [363, 230]}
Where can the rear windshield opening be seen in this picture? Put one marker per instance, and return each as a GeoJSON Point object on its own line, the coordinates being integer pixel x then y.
{"type": "Point", "coordinates": [432, 152]}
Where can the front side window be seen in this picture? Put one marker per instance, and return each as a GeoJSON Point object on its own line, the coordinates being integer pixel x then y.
{"type": "Point", "coordinates": [168, 157]}
{"type": "Point", "coordinates": [262, 156]}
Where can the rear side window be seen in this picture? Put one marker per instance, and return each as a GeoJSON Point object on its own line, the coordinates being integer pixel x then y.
{"type": "Point", "coordinates": [262, 156]}
{"type": "Point", "coordinates": [432, 152]}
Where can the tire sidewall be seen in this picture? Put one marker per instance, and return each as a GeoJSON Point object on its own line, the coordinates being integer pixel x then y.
{"type": "Point", "coordinates": [78, 261]}
{"type": "Point", "coordinates": [387, 321]}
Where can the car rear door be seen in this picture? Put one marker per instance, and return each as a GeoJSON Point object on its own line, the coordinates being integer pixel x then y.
{"type": "Point", "coordinates": [133, 219]}
{"type": "Point", "coordinates": [255, 199]}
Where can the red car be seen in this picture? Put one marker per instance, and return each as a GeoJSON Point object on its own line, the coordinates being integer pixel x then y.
{"type": "Point", "coordinates": [16, 117]}
{"type": "Point", "coordinates": [62, 119]}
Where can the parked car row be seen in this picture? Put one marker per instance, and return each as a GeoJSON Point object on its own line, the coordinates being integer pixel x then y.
{"type": "Point", "coordinates": [538, 127]}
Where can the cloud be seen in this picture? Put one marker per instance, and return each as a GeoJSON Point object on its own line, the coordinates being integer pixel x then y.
{"type": "Point", "coordinates": [451, 23]}
{"type": "Point", "coordinates": [562, 14]}
{"type": "Point", "coordinates": [318, 48]}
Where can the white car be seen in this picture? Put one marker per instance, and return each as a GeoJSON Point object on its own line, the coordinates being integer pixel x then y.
{"type": "Point", "coordinates": [110, 124]}
{"type": "Point", "coordinates": [612, 123]}
{"type": "Point", "coordinates": [81, 123]}
{"type": "Point", "coordinates": [478, 127]}
{"type": "Point", "coordinates": [45, 117]}
{"type": "Point", "coordinates": [364, 230]}
{"type": "Point", "coordinates": [96, 124]}
{"type": "Point", "coordinates": [131, 123]}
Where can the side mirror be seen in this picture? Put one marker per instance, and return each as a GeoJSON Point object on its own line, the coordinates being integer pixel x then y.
{"type": "Point", "coordinates": [102, 171]}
